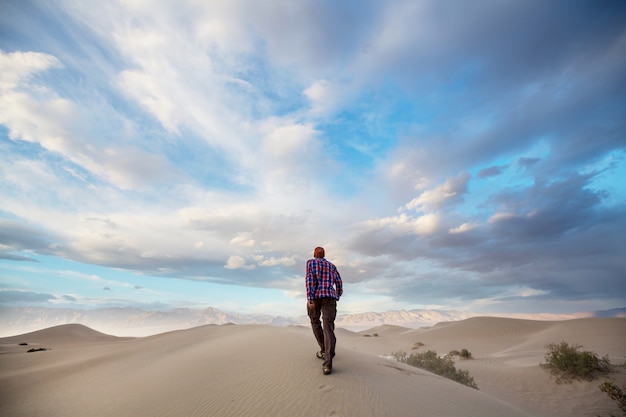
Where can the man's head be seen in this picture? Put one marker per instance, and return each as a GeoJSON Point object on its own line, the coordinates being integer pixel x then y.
{"type": "Point", "coordinates": [318, 252]}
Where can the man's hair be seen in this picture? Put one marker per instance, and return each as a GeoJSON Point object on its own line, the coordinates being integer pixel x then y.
{"type": "Point", "coordinates": [318, 252]}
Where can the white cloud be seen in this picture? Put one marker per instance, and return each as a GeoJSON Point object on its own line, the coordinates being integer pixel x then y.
{"type": "Point", "coordinates": [464, 228]}
{"type": "Point", "coordinates": [272, 261]}
{"type": "Point", "coordinates": [237, 262]}
{"type": "Point", "coordinates": [220, 26]}
{"type": "Point", "coordinates": [16, 68]}
{"type": "Point", "coordinates": [243, 239]}
{"type": "Point", "coordinates": [498, 217]}
{"type": "Point", "coordinates": [61, 126]}
{"type": "Point", "coordinates": [427, 224]}
{"type": "Point", "coordinates": [452, 189]}
{"type": "Point", "coordinates": [286, 143]}
{"type": "Point", "coordinates": [153, 96]}
{"type": "Point", "coordinates": [324, 96]}
{"type": "Point", "coordinates": [290, 158]}
{"type": "Point", "coordinates": [397, 226]}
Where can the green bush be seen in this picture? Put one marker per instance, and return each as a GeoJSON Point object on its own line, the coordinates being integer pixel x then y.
{"type": "Point", "coordinates": [615, 393]}
{"type": "Point", "coordinates": [444, 367]}
{"type": "Point", "coordinates": [466, 354]}
{"type": "Point", "coordinates": [568, 362]}
{"type": "Point", "coordinates": [463, 354]}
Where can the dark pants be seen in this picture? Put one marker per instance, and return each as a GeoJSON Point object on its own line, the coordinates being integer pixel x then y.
{"type": "Point", "coordinates": [325, 336]}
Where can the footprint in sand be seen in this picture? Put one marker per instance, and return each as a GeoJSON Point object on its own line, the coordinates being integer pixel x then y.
{"type": "Point", "coordinates": [325, 388]}
{"type": "Point", "coordinates": [335, 414]}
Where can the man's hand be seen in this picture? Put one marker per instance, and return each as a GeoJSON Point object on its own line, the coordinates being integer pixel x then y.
{"type": "Point", "coordinates": [311, 304]}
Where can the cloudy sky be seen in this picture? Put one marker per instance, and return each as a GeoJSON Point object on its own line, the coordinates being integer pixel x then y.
{"type": "Point", "coordinates": [451, 155]}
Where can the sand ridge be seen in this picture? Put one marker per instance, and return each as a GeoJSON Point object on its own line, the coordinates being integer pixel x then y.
{"type": "Point", "coordinates": [257, 370]}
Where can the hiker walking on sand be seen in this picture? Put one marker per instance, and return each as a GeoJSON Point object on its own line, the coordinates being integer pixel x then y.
{"type": "Point", "coordinates": [323, 289]}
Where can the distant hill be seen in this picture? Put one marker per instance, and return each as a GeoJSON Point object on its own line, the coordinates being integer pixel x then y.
{"type": "Point", "coordinates": [126, 321]}
{"type": "Point", "coordinates": [405, 318]}
{"type": "Point", "coordinates": [68, 333]}
{"type": "Point", "coordinates": [613, 312]}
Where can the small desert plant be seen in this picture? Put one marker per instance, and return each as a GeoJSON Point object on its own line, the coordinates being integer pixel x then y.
{"type": "Point", "coordinates": [615, 393]}
{"type": "Point", "coordinates": [23, 344]}
{"type": "Point", "coordinates": [568, 362]}
{"type": "Point", "coordinates": [444, 367]}
{"type": "Point", "coordinates": [36, 350]}
{"type": "Point", "coordinates": [417, 345]}
{"type": "Point", "coordinates": [463, 354]}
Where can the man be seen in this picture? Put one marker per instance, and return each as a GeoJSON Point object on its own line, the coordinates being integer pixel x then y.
{"type": "Point", "coordinates": [323, 289]}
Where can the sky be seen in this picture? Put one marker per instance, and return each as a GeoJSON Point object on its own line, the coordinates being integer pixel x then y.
{"type": "Point", "coordinates": [453, 155]}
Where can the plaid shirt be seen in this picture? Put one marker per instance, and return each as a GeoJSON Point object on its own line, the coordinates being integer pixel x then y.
{"type": "Point", "coordinates": [322, 280]}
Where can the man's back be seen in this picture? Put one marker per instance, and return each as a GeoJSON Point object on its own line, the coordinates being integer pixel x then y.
{"type": "Point", "coordinates": [323, 279]}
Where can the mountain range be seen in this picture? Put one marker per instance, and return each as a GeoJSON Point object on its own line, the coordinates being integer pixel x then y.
{"type": "Point", "coordinates": [131, 321]}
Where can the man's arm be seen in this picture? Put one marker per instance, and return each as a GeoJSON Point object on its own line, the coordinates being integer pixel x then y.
{"type": "Point", "coordinates": [338, 283]}
{"type": "Point", "coordinates": [310, 281]}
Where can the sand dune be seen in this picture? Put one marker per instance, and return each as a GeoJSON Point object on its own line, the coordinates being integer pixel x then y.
{"type": "Point", "coordinates": [254, 370]}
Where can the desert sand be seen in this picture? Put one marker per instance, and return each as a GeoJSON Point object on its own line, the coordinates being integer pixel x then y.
{"type": "Point", "coordinates": [255, 370]}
